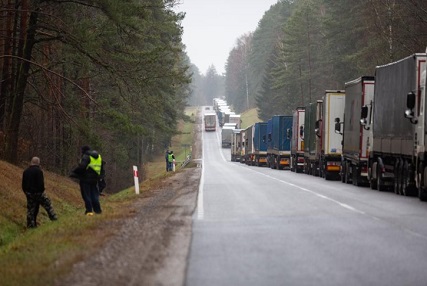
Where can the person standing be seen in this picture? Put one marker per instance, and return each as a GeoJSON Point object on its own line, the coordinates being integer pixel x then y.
{"type": "Point", "coordinates": [33, 187]}
{"type": "Point", "coordinates": [171, 158]}
{"type": "Point", "coordinates": [90, 171]}
{"type": "Point", "coordinates": [167, 160]}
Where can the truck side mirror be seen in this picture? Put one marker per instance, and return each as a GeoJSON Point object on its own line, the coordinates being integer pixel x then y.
{"type": "Point", "coordinates": [410, 100]}
{"type": "Point", "coordinates": [317, 128]}
{"type": "Point", "coordinates": [288, 133]}
{"type": "Point", "coordinates": [263, 139]}
{"type": "Point", "coordinates": [301, 131]}
{"type": "Point", "coordinates": [338, 125]}
{"type": "Point", "coordinates": [410, 104]}
{"type": "Point", "coordinates": [364, 116]}
{"type": "Point", "coordinates": [364, 112]}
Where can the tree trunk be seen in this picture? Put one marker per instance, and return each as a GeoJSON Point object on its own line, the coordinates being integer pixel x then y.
{"type": "Point", "coordinates": [16, 103]}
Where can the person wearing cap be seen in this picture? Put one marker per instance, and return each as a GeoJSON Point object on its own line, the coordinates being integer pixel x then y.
{"type": "Point", "coordinates": [90, 171]}
{"type": "Point", "coordinates": [33, 187]}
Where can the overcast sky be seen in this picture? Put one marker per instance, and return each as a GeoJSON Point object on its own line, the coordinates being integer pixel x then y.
{"type": "Point", "coordinates": [211, 28]}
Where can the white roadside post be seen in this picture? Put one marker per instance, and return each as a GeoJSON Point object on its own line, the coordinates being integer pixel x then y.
{"type": "Point", "coordinates": [135, 177]}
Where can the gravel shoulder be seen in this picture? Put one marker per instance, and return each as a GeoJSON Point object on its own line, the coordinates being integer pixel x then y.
{"type": "Point", "coordinates": [152, 246]}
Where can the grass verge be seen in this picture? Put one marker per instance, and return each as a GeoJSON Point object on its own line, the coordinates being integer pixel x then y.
{"type": "Point", "coordinates": [42, 255]}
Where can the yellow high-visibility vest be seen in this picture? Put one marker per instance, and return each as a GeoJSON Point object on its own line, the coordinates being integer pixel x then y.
{"type": "Point", "coordinates": [95, 164]}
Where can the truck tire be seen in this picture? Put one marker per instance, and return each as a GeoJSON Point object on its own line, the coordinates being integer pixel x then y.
{"type": "Point", "coordinates": [347, 177]}
{"type": "Point", "coordinates": [278, 163]}
{"type": "Point", "coordinates": [372, 179]}
{"type": "Point", "coordinates": [422, 192]}
{"type": "Point", "coordinates": [399, 179]}
{"type": "Point", "coordinates": [355, 178]}
{"type": "Point", "coordinates": [380, 183]}
{"type": "Point", "coordinates": [342, 173]}
{"type": "Point", "coordinates": [408, 189]}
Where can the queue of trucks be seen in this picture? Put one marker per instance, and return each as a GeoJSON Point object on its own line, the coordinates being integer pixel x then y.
{"type": "Point", "coordinates": [372, 133]}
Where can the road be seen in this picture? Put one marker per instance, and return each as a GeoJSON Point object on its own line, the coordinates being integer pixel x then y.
{"type": "Point", "coordinates": [258, 226]}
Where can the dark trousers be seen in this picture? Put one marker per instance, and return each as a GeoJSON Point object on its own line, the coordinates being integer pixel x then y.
{"type": "Point", "coordinates": [170, 166]}
{"type": "Point", "coordinates": [90, 195]}
{"type": "Point", "coordinates": [34, 201]}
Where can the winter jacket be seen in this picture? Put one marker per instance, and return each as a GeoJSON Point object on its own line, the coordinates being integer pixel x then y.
{"type": "Point", "coordinates": [85, 172]}
{"type": "Point", "coordinates": [33, 180]}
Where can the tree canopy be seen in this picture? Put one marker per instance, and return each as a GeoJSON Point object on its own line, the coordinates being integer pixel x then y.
{"type": "Point", "coordinates": [110, 74]}
{"type": "Point", "coordinates": [303, 47]}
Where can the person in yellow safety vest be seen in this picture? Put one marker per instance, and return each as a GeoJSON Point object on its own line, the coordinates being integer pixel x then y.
{"type": "Point", "coordinates": [90, 172]}
{"type": "Point", "coordinates": [171, 158]}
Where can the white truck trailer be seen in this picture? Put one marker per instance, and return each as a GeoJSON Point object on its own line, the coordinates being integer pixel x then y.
{"type": "Point", "coordinates": [331, 148]}
{"type": "Point", "coordinates": [356, 138]}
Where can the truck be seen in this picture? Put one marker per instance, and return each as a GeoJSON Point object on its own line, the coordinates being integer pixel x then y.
{"type": "Point", "coordinates": [226, 133]}
{"type": "Point", "coordinates": [278, 143]}
{"type": "Point", "coordinates": [242, 143]}
{"type": "Point", "coordinates": [331, 142]}
{"type": "Point", "coordinates": [236, 145]}
{"type": "Point", "coordinates": [235, 118]}
{"type": "Point", "coordinates": [356, 138]}
{"type": "Point", "coordinates": [249, 144]}
{"type": "Point", "coordinates": [227, 115]}
{"type": "Point", "coordinates": [397, 158]}
{"type": "Point", "coordinates": [312, 137]}
{"type": "Point", "coordinates": [210, 121]}
{"type": "Point", "coordinates": [259, 157]}
{"type": "Point", "coordinates": [297, 140]}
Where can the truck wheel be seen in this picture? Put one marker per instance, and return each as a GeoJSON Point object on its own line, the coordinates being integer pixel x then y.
{"type": "Point", "coordinates": [343, 171]}
{"type": "Point", "coordinates": [380, 183]}
{"type": "Point", "coordinates": [407, 188]}
{"type": "Point", "coordinates": [422, 194]}
{"type": "Point", "coordinates": [355, 176]}
{"type": "Point", "coordinates": [347, 178]}
{"type": "Point", "coordinates": [398, 180]}
{"type": "Point", "coordinates": [372, 180]}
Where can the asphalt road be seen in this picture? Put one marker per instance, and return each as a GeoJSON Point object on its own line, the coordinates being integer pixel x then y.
{"type": "Point", "coordinates": [258, 226]}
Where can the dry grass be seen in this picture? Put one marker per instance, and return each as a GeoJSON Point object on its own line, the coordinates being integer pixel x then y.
{"type": "Point", "coordinates": [249, 118]}
{"type": "Point", "coordinates": [39, 256]}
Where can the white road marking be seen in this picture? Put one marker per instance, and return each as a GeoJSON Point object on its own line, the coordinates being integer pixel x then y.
{"type": "Point", "coordinates": [312, 192]}
{"type": "Point", "coordinates": [200, 206]}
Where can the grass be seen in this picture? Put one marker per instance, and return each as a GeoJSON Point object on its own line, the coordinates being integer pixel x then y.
{"type": "Point", "coordinates": [39, 256]}
{"type": "Point", "coordinates": [249, 118]}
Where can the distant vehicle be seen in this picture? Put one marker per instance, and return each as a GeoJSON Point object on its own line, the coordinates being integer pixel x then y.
{"type": "Point", "coordinates": [226, 136]}
{"type": "Point", "coordinates": [210, 121]}
{"type": "Point", "coordinates": [278, 142]}
{"type": "Point", "coordinates": [312, 137]}
{"type": "Point", "coordinates": [297, 143]}
{"type": "Point", "coordinates": [236, 145]}
{"type": "Point", "coordinates": [234, 125]}
{"type": "Point", "coordinates": [354, 165]}
{"type": "Point", "coordinates": [260, 146]}
{"type": "Point", "coordinates": [331, 144]}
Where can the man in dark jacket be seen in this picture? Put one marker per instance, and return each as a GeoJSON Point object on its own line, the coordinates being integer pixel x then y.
{"type": "Point", "coordinates": [33, 187]}
{"type": "Point", "coordinates": [90, 171]}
